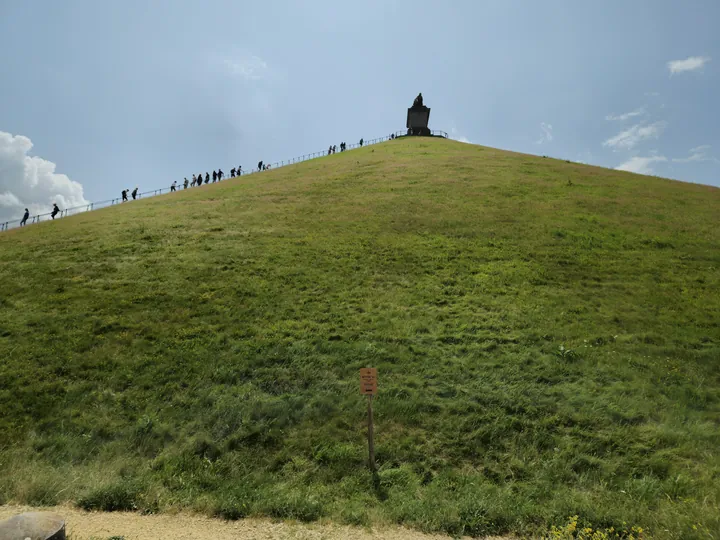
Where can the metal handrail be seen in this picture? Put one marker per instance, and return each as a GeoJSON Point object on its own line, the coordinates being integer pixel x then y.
{"type": "Point", "coordinates": [4, 226]}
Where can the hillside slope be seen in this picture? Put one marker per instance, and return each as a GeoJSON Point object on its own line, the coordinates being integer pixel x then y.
{"type": "Point", "coordinates": [547, 337]}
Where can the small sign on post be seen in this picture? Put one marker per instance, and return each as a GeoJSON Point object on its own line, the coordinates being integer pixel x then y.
{"type": "Point", "coordinates": [368, 381]}
{"type": "Point", "coordinates": [368, 387]}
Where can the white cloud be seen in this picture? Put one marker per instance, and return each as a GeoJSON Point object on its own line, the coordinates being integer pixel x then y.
{"type": "Point", "coordinates": [699, 153]}
{"type": "Point", "coordinates": [246, 66]}
{"type": "Point", "coordinates": [547, 135]}
{"type": "Point", "coordinates": [626, 116]}
{"type": "Point", "coordinates": [652, 94]}
{"type": "Point", "coordinates": [700, 148]}
{"type": "Point", "coordinates": [628, 139]}
{"type": "Point", "coordinates": [689, 64]}
{"type": "Point", "coordinates": [456, 136]}
{"type": "Point", "coordinates": [31, 182]}
{"type": "Point", "coordinates": [640, 165]}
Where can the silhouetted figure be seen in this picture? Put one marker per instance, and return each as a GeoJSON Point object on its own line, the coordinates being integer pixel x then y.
{"type": "Point", "coordinates": [329, 150]}
{"type": "Point", "coordinates": [220, 174]}
{"type": "Point", "coordinates": [25, 218]}
{"type": "Point", "coordinates": [55, 211]}
{"type": "Point", "coordinates": [185, 183]}
{"type": "Point", "coordinates": [418, 103]}
{"type": "Point", "coordinates": [207, 177]}
{"type": "Point", "coordinates": [124, 195]}
{"type": "Point", "coordinates": [232, 172]}
{"type": "Point", "coordinates": [214, 177]}
{"type": "Point", "coordinates": [194, 181]}
{"type": "Point", "coordinates": [134, 193]}
{"type": "Point", "coordinates": [239, 170]}
{"type": "Point", "coordinates": [334, 148]}
{"type": "Point", "coordinates": [264, 167]}
{"type": "Point", "coordinates": [260, 168]}
{"type": "Point", "coordinates": [173, 186]}
{"type": "Point", "coordinates": [361, 141]}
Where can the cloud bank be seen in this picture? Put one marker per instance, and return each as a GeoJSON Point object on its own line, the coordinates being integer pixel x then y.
{"type": "Point", "coordinates": [689, 64]}
{"type": "Point", "coordinates": [626, 116]}
{"type": "Point", "coordinates": [641, 165]}
{"type": "Point", "coordinates": [699, 153]}
{"type": "Point", "coordinates": [245, 66]}
{"type": "Point", "coordinates": [547, 135]}
{"type": "Point", "coordinates": [628, 139]}
{"type": "Point", "coordinates": [31, 182]}
{"type": "Point", "coordinates": [457, 136]}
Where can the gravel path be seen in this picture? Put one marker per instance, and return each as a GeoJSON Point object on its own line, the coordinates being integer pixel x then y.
{"type": "Point", "coordinates": [129, 526]}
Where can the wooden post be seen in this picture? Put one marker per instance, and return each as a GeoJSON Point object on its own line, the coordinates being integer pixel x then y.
{"type": "Point", "coordinates": [368, 387]}
{"type": "Point", "coordinates": [371, 434]}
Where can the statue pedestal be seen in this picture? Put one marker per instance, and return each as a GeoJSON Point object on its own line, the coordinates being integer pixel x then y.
{"type": "Point", "coordinates": [417, 121]}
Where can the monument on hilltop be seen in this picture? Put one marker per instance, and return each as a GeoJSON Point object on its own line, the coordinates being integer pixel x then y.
{"type": "Point", "coordinates": [418, 117]}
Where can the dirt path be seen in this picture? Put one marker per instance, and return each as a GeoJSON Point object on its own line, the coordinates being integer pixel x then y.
{"type": "Point", "coordinates": [102, 526]}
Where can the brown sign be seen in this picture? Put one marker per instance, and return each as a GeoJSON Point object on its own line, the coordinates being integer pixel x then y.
{"type": "Point", "coordinates": [368, 381]}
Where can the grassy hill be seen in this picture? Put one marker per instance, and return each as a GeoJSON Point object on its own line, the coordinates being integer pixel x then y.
{"type": "Point", "coordinates": [547, 337]}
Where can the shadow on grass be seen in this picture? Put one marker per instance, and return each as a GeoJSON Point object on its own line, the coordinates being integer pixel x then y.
{"type": "Point", "coordinates": [380, 490]}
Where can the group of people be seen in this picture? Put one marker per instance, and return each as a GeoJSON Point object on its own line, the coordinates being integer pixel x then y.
{"type": "Point", "coordinates": [343, 146]}
{"type": "Point", "coordinates": [197, 180]}
{"type": "Point", "coordinates": [333, 148]}
{"type": "Point", "coordinates": [126, 191]}
{"type": "Point", "coordinates": [55, 211]}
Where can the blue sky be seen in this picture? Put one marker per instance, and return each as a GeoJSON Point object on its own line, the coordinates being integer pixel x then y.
{"type": "Point", "coordinates": [99, 96]}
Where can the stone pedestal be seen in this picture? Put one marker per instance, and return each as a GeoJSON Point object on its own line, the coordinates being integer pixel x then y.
{"type": "Point", "coordinates": [33, 526]}
{"type": "Point", "coordinates": [417, 120]}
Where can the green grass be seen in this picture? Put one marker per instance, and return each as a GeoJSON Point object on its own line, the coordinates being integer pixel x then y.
{"type": "Point", "coordinates": [545, 348]}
